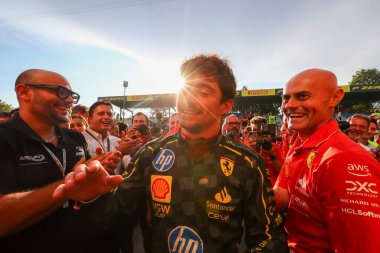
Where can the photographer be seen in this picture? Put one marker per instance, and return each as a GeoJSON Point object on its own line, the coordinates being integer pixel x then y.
{"type": "Point", "coordinates": [262, 140]}
{"type": "Point", "coordinates": [140, 128]}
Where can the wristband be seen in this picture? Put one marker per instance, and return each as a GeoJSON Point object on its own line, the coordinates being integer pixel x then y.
{"type": "Point", "coordinates": [78, 203]}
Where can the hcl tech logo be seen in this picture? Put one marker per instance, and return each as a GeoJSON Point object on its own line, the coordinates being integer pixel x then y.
{"type": "Point", "coordinates": [183, 239]}
{"type": "Point", "coordinates": [164, 160]}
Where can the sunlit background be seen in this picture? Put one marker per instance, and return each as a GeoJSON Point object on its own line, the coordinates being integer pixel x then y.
{"type": "Point", "coordinates": [99, 44]}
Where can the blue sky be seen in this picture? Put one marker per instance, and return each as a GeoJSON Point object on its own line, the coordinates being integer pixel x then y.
{"type": "Point", "coordinates": [98, 44]}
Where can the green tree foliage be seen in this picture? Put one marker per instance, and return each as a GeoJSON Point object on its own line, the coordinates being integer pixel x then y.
{"type": "Point", "coordinates": [367, 77]}
{"type": "Point", "coordinates": [5, 107]}
{"type": "Point", "coordinates": [245, 87]}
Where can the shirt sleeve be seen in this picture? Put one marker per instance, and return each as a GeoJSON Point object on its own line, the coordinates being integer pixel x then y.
{"type": "Point", "coordinates": [8, 176]}
{"type": "Point", "coordinates": [282, 180]}
{"type": "Point", "coordinates": [347, 189]}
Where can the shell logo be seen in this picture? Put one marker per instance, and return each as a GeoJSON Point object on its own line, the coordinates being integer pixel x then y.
{"type": "Point", "coordinates": [161, 188]}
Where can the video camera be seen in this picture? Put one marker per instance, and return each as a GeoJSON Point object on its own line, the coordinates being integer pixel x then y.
{"type": "Point", "coordinates": [265, 129]}
{"type": "Point", "coordinates": [142, 129]}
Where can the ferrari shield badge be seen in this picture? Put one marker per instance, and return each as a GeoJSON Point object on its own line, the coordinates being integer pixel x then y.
{"type": "Point", "coordinates": [227, 166]}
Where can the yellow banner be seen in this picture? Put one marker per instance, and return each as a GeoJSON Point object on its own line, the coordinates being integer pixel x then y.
{"type": "Point", "coordinates": [346, 88]}
{"type": "Point", "coordinates": [252, 93]}
{"type": "Point", "coordinates": [140, 98]}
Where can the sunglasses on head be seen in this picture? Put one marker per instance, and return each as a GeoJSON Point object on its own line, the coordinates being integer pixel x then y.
{"type": "Point", "coordinates": [61, 91]}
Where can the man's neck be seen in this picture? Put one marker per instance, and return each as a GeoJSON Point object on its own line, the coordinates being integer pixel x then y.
{"type": "Point", "coordinates": [41, 128]}
{"type": "Point", "coordinates": [104, 134]}
{"type": "Point", "coordinates": [194, 136]}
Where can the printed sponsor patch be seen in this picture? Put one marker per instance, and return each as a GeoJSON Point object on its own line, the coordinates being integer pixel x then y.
{"type": "Point", "coordinates": [361, 187]}
{"type": "Point", "coordinates": [79, 151]}
{"type": "Point", "coordinates": [183, 239]}
{"type": "Point", "coordinates": [223, 196]}
{"type": "Point", "coordinates": [227, 166]}
{"type": "Point", "coordinates": [359, 170]}
{"type": "Point", "coordinates": [164, 160]}
{"type": "Point", "coordinates": [161, 188]}
{"type": "Point", "coordinates": [34, 158]}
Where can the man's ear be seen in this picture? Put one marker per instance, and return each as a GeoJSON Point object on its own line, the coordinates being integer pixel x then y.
{"type": "Point", "coordinates": [226, 106]}
{"type": "Point", "coordinates": [23, 92]}
{"type": "Point", "coordinates": [337, 97]}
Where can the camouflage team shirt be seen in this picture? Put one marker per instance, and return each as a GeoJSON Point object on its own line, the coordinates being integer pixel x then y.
{"type": "Point", "coordinates": [199, 195]}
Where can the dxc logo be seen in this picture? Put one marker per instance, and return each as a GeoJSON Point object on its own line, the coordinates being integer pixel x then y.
{"type": "Point", "coordinates": [183, 239]}
{"type": "Point", "coordinates": [164, 160]}
{"type": "Point", "coordinates": [358, 187]}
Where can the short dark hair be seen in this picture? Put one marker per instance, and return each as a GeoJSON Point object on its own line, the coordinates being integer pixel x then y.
{"type": "Point", "coordinates": [373, 120]}
{"type": "Point", "coordinates": [212, 66]}
{"type": "Point", "coordinates": [96, 104]}
{"type": "Point", "coordinates": [140, 113]}
{"type": "Point", "coordinates": [360, 116]}
{"type": "Point", "coordinates": [122, 126]}
{"type": "Point", "coordinates": [82, 109]}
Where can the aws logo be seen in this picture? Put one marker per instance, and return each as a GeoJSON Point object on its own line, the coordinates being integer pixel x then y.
{"type": "Point", "coordinates": [223, 196]}
{"type": "Point", "coordinates": [358, 170]}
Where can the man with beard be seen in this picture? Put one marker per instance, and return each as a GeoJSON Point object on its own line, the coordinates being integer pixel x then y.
{"type": "Point", "coordinates": [233, 127]}
{"type": "Point", "coordinates": [199, 185]}
{"type": "Point", "coordinates": [328, 182]}
{"type": "Point", "coordinates": [35, 156]}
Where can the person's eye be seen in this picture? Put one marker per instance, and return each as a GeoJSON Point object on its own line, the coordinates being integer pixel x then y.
{"type": "Point", "coordinates": [302, 96]}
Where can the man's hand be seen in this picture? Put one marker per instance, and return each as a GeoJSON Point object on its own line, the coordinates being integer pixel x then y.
{"type": "Point", "coordinates": [87, 181]}
{"type": "Point", "coordinates": [131, 132]}
{"type": "Point", "coordinates": [108, 160]}
{"type": "Point", "coordinates": [251, 142]}
{"type": "Point", "coordinates": [128, 146]}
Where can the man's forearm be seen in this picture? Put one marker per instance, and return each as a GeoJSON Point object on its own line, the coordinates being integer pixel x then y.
{"type": "Point", "coordinates": [23, 209]}
{"type": "Point", "coordinates": [281, 196]}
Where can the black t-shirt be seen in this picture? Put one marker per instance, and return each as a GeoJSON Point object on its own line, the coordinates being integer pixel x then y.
{"type": "Point", "coordinates": [26, 164]}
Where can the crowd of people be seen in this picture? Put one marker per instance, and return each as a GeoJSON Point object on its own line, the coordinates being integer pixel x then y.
{"type": "Point", "coordinates": [74, 180]}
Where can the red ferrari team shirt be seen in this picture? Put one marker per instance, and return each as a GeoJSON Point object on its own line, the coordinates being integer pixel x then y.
{"type": "Point", "coordinates": [333, 185]}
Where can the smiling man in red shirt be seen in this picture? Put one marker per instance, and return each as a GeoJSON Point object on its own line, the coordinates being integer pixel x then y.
{"type": "Point", "coordinates": [328, 182]}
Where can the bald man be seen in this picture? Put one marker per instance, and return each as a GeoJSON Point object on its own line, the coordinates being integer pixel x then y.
{"type": "Point", "coordinates": [35, 155]}
{"type": "Point", "coordinates": [328, 182]}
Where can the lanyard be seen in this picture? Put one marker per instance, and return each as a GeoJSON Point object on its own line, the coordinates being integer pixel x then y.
{"type": "Point", "coordinates": [61, 167]}
{"type": "Point", "coordinates": [101, 144]}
